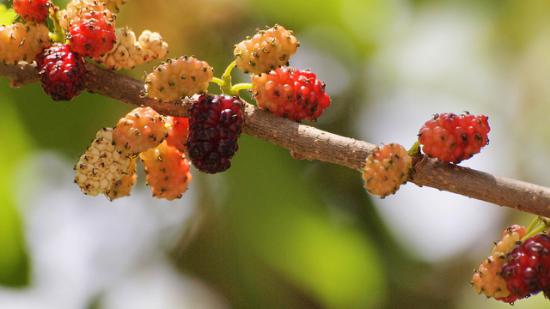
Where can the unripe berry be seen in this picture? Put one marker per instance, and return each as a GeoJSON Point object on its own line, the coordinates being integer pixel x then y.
{"type": "Point", "coordinates": [167, 171]}
{"type": "Point", "coordinates": [386, 169]}
{"type": "Point", "coordinates": [141, 129]}
{"type": "Point", "coordinates": [267, 50]}
{"type": "Point", "coordinates": [178, 78]}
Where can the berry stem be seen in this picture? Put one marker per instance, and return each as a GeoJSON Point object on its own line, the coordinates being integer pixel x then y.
{"type": "Point", "coordinates": [235, 89]}
{"type": "Point", "coordinates": [59, 33]}
{"type": "Point", "coordinates": [227, 79]}
{"type": "Point", "coordinates": [218, 81]}
{"type": "Point", "coordinates": [539, 225]}
{"type": "Point", "coordinates": [415, 149]}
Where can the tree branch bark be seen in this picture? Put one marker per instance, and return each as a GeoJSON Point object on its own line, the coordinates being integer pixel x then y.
{"type": "Point", "coordinates": [308, 143]}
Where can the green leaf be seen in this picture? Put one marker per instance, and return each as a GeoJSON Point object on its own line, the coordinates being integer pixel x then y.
{"type": "Point", "coordinates": [7, 16]}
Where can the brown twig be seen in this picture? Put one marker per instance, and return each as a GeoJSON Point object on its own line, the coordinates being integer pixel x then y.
{"type": "Point", "coordinates": [308, 143]}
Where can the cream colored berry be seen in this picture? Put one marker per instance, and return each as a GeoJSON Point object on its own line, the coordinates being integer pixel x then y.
{"type": "Point", "coordinates": [177, 78]}
{"type": "Point", "coordinates": [114, 5]}
{"type": "Point", "coordinates": [22, 42]}
{"type": "Point", "coordinates": [76, 9]}
{"type": "Point", "coordinates": [141, 129]}
{"type": "Point", "coordinates": [123, 187]}
{"type": "Point", "coordinates": [386, 169]}
{"type": "Point", "coordinates": [152, 46]}
{"type": "Point", "coordinates": [266, 51]}
{"type": "Point", "coordinates": [102, 167]}
{"type": "Point", "coordinates": [129, 52]}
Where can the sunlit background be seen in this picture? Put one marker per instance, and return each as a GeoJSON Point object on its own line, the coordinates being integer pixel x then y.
{"type": "Point", "coordinates": [274, 232]}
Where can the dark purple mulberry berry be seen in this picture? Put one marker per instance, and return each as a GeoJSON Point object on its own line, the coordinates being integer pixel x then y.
{"type": "Point", "coordinates": [215, 125]}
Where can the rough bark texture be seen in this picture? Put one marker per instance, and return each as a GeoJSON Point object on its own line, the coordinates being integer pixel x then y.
{"type": "Point", "coordinates": [308, 143]}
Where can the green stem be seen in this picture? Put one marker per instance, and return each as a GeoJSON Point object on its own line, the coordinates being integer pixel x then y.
{"type": "Point", "coordinates": [415, 149]}
{"type": "Point", "coordinates": [225, 82]}
{"type": "Point", "coordinates": [59, 33]}
{"type": "Point", "coordinates": [541, 225]}
{"type": "Point", "coordinates": [235, 89]}
{"type": "Point", "coordinates": [533, 224]}
{"type": "Point", "coordinates": [218, 81]}
{"type": "Point", "coordinates": [227, 73]}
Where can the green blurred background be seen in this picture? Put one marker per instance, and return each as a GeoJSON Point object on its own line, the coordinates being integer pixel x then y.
{"type": "Point", "coordinates": [274, 232]}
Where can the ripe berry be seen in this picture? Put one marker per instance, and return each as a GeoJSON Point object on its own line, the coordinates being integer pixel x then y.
{"type": "Point", "coordinates": [177, 78]}
{"type": "Point", "coordinates": [32, 10]}
{"type": "Point", "coordinates": [92, 36]}
{"type": "Point", "coordinates": [179, 132]}
{"type": "Point", "coordinates": [167, 171]}
{"type": "Point", "coordinates": [22, 42]}
{"type": "Point", "coordinates": [527, 267]}
{"type": "Point", "coordinates": [291, 93]}
{"type": "Point", "coordinates": [141, 129]}
{"type": "Point", "coordinates": [487, 278]}
{"type": "Point", "coordinates": [453, 138]}
{"type": "Point", "coordinates": [267, 50]}
{"type": "Point", "coordinates": [61, 71]}
{"type": "Point", "coordinates": [215, 125]}
{"type": "Point", "coordinates": [386, 169]}
{"type": "Point", "coordinates": [101, 169]}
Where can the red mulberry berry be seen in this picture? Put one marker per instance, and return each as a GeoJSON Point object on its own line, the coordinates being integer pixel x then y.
{"type": "Point", "coordinates": [527, 267]}
{"type": "Point", "coordinates": [179, 132]}
{"type": "Point", "coordinates": [141, 129]}
{"type": "Point", "coordinates": [453, 138]}
{"type": "Point", "coordinates": [267, 50]}
{"type": "Point", "coordinates": [386, 169]}
{"type": "Point", "coordinates": [167, 171]}
{"type": "Point", "coordinates": [32, 10]}
{"type": "Point", "coordinates": [291, 93]}
{"type": "Point", "coordinates": [487, 278]}
{"type": "Point", "coordinates": [93, 35]}
{"type": "Point", "coordinates": [177, 78]}
{"type": "Point", "coordinates": [214, 128]}
{"type": "Point", "coordinates": [61, 71]}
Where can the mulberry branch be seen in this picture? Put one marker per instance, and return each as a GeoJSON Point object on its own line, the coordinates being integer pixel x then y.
{"type": "Point", "coordinates": [308, 143]}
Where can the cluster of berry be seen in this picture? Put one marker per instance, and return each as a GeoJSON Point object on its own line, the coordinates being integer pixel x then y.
{"type": "Point", "coordinates": [216, 121]}
{"type": "Point", "coordinates": [109, 165]}
{"type": "Point", "coordinates": [209, 136]}
{"type": "Point", "coordinates": [518, 267]}
{"type": "Point", "coordinates": [447, 137]}
{"type": "Point", "coordinates": [89, 26]}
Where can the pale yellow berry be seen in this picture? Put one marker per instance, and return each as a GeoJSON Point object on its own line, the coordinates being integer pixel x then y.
{"type": "Point", "coordinates": [266, 51]}
{"type": "Point", "coordinates": [177, 78]}
{"type": "Point", "coordinates": [22, 42]}
{"type": "Point", "coordinates": [102, 168]}
{"type": "Point", "coordinates": [386, 169]}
